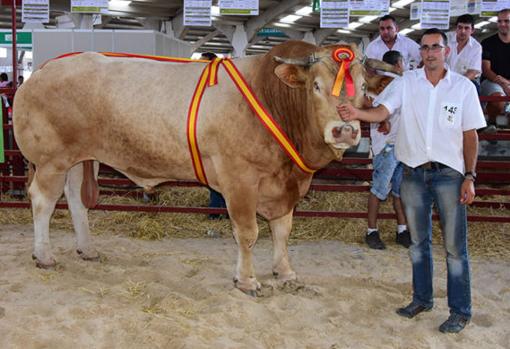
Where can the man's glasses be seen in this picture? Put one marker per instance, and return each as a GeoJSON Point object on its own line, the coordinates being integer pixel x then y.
{"type": "Point", "coordinates": [433, 48]}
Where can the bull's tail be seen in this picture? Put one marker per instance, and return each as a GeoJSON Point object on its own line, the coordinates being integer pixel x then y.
{"type": "Point", "coordinates": [89, 187]}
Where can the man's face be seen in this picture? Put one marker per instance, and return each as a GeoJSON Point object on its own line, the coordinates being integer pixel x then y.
{"type": "Point", "coordinates": [464, 31]}
{"type": "Point", "coordinates": [388, 30]}
{"type": "Point", "coordinates": [433, 51]}
{"type": "Point", "coordinates": [504, 23]}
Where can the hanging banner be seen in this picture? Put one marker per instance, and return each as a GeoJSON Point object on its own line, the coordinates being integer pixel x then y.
{"type": "Point", "coordinates": [369, 7]}
{"type": "Point", "coordinates": [89, 6]}
{"type": "Point", "coordinates": [490, 8]}
{"type": "Point", "coordinates": [35, 11]}
{"type": "Point", "coordinates": [334, 13]}
{"type": "Point", "coordinates": [461, 7]}
{"type": "Point", "coordinates": [239, 7]}
{"type": "Point", "coordinates": [435, 14]}
{"type": "Point", "coordinates": [415, 11]}
{"type": "Point", "coordinates": [197, 13]}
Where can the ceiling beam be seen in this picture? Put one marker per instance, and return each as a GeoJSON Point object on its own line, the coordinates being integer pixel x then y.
{"type": "Point", "coordinates": [205, 39]}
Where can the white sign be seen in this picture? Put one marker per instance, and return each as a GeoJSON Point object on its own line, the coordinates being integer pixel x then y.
{"type": "Point", "coordinates": [490, 8]}
{"type": "Point", "coordinates": [89, 6]}
{"type": "Point", "coordinates": [435, 14]}
{"type": "Point", "coordinates": [415, 11]}
{"type": "Point", "coordinates": [334, 13]}
{"type": "Point", "coordinates": [461, 7]}
{"type": "Point", "coordinates": [35, 11]}
{"type": "Point", "coordinates": [369, 7]}
{"type": "Point", "coordinates": [197, 13]}
{"type": "Point", "coordinates": [239, 7]}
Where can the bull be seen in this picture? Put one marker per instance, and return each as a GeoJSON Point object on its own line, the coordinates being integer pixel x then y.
{"type": "Point", "coordinates": [91, 107]}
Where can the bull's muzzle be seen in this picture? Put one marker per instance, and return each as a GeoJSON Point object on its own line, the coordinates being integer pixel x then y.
{"type": "Point", "coordinates": [342, 135]}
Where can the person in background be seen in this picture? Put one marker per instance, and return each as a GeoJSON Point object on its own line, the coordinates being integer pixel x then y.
{"type": "Point", "coordinates": [21, 79]}
{"type": "Point", "coordinates": [437, 142]}
{"type": "Point", "coordinates": [465, 52]}
{"type": "Point", "coordinates": [387, 173]}
{"type": "Point", "coordinates": [390, 39]}
{"type": "Point", "coordinates": [496, 67]}
{"type": "Point", "coordinates": [216, 200]}
{"type": "Point", "coordinates": [4, 80]}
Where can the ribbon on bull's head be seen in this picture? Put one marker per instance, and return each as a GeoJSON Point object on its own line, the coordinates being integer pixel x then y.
{"type": "Point", "coordinates": [344, 56]}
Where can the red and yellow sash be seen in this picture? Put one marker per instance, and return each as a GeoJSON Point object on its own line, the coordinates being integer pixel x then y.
{"type": "Point", "coordinates": [209, 77]}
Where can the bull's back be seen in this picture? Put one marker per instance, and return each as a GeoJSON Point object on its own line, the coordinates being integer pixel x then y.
{"type": "Point", "coordinates": [118, 111]}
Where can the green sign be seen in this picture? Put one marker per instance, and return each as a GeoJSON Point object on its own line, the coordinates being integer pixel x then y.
{"type": "Point", "coordinates": [23, 39]}
{"type": "Point", "coordinates": [271, 32]}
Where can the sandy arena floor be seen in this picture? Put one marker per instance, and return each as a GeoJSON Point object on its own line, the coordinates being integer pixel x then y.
{"type": "Point", "coordinates": [178, 293]}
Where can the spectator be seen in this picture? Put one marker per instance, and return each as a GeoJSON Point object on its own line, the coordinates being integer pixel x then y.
{"type": "Point", "coordinates": [438, 144]}
{"type": "Point", "coordinates": [496, 66]}
{"type": "Point", "coordinates": [387, 173]}
{"type": "Point", "coordinates": [465, 52]}
{"type": "Point", "coordinates": [4, 80]}
{"type": "Point", "coordinates": [21, 79]}
{"type": "Point", "coordinates": [390, 39]}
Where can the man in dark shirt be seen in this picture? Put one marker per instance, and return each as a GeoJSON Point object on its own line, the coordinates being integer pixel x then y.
{"type": "Point", "coordinates": [496, 66]}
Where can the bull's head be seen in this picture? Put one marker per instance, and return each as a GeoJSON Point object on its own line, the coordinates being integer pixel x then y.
{"type": "Point", "coordinates": [320, 74]}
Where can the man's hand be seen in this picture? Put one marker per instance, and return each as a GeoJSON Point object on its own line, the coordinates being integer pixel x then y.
{"type": "Point", "coordinates": [347, 112]}
{"type": "Point", "coordinates": [384, 127]}
{"type": "Point", "coordinates": [501, 81]}
{"type": "Point", "coordinates": [467, 192]}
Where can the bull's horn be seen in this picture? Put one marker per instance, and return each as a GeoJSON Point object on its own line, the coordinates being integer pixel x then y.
{"type": "Point", "coordinates": [380, 65]}
{"type": "Point", "coordinates": [303, 61]}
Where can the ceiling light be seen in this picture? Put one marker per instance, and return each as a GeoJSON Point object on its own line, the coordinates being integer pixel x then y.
{"type": "Point", "coordinates": [481, 24]}
{"type": "Point", "coordinates": [354, 25]}
{"type": "Point", "coordinates": [391, 9]}
{"type": "Point", "coordinates": [493, 19]}
{"type": "Point", "coordinates": [284, 25]}
{"type": "Point", "coordinates": [416, 26]}
{"type": "Point", "coordinates": [215, 10]}
{"type": "Point", "coordinates": [406, 31]}
{"type": "Point", "coordinates": [343, 31]}
{"type": "Point", "coordinates": [367, 19]}
{"type": "Point", "coordinates": [290, 19]}
{"type": "Point", "coordinates": [120, 3]}
{"type": "Point", "coordinates": [304, 11]}
{"type": "Point", "coordinates": [401, 3]}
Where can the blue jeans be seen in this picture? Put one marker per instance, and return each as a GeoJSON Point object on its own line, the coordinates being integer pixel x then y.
{"type": "Point", "coordinates": [216, 199]}
{"type": "Point", "coordinates": [419, 190]}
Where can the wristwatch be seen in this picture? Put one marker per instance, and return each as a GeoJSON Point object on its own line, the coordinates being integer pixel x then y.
{"type": "Point", "coordinates": [470, 175]}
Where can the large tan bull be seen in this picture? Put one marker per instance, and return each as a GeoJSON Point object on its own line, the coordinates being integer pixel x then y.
{"type": "Point", "coordinates": [131, 115]}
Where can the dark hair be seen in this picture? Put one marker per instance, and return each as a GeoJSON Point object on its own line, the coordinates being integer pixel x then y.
{"type": "Point", "coordinates": [392, 57]}
{"type": "Point", "coordinates": [386, 17]}
{"type": "Point", "coordinates": [467, 18]}
{"type": "Point", "coordinates": [208, 55]}
{"type": "Point", "coordinates": [4, 77]}
{"type": "Point", "coordinates": [435, 31]}
{"type": "Point", "coordinates": [505, 10]}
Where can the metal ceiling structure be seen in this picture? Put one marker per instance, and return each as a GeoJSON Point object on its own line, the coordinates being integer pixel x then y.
{"type": "Point", "coordinates": [166, 16]}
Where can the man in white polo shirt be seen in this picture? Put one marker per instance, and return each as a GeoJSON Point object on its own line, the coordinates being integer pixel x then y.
{"type": "Point", "coordinates": [390, 39]}
{"type": "Point", "coordinates": [438, 144]}
{"type": "Point", "coordinates": [465, 52]}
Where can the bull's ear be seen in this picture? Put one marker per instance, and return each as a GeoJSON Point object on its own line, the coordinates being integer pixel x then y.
{"type": "Point", "coordinates": [291, 75]}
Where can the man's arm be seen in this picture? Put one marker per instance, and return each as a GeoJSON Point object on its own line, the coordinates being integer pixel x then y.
{"type": "Point", "coordinates": [471, 74]}
{"type": "Point", "coordinates": [348, 113]}
{"type": "Point", "coordinates": [470, 144]}
{"type": "Point", "coordinates": [491, 75]}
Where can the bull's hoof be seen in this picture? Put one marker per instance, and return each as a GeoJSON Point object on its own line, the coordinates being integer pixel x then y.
{"type": "Point", "coordinates": [49, 264]}
{"type": "Point", "coordinates": [91, 255]}
{"type": "Point", "coordinates": [289, 276]}
{"type": "Point", "coordinates": [250, 287]}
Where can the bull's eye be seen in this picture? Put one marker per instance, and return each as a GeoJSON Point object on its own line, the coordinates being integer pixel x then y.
{"type": "Point", "coordinates": [364, 87]}
{"type": "Point", "coordinates": [316, 87]}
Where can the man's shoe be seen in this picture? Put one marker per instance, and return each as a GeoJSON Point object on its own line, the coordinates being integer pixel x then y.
{"type": "Point", "coordinates": [404, 238]}
{"type": "Point", "coordinates": [374, 241]}
{"type": "Point", "coordinates": [454, 324]}
{"type": "Point", "coordinates": [412, 310]}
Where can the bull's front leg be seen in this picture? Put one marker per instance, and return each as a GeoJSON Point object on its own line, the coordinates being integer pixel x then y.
{"type": "Point", "coordinates": [280, 230]}
{"type": "Point", "coordinates": [242, 212]}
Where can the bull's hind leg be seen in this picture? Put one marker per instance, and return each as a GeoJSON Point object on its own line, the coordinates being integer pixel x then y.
{"type": "Point", "coordinates": [79, 212]}
{"type": "Point", "coordinates": [45, 190]}
{"type": "Point", "coordinates": [280, 229]}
